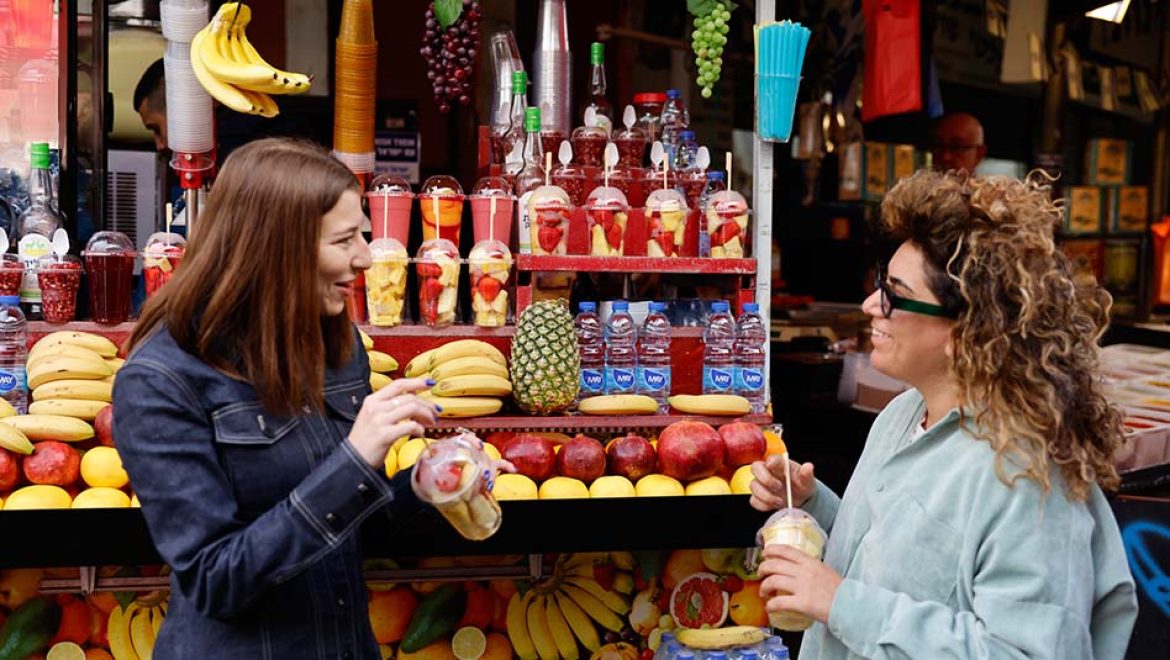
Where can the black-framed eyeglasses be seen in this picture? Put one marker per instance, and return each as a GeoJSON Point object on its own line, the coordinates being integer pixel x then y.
{"type": "Point", "coordinates": [891, 301]}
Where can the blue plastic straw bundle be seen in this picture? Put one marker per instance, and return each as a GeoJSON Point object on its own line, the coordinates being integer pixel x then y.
{"type": "Point", "coordinates": [780, 51]}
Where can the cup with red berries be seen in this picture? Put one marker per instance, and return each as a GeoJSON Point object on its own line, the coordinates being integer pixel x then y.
{"type": "Point", "coordinates": [490, 264]}
{"type": "Point", "coordinates": [59, 279]}
{"type": "Point", "coordinates": [666, 223]}
{"type": "Point", "coordinates": [437, 265]}
{"type": "Point", "coordinates": [589, 145]}
{"type": "Point", "coordinates": [455, 475]}
{"type": "Point", "coordinates": [631, 144]}
{"type": "Point", "coordinates": [574, 179]}
{"type": "Point", "coordinates": [11, 274]}
{"type": "Point", "coordinates": [549, 211]}
{"type": "Point", "coordinates": [606, 211]}
{"type": "Point", "coordinates": [161, 256]}
{"type": "Point", "coordinates": [727, 224]}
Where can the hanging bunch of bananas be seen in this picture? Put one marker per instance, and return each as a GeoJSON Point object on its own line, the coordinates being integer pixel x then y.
{"type": "Point", "coordinates": [557, 617]}
{"type": "Point", "coordinates": [132, 630]}
{"type": "Point", "coordinates": [232, 72]}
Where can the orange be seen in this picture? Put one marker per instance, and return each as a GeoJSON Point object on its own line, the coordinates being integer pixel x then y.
{"type": "Point", "coordinates": [98, 654]}
{"type": "Point", "coordinates": [75, 621]}
{"type": "Point", "coordinates": [498, 648]}
{"type": "Point", "coordinates": [390, 613]}
{"type": "Point", "coordinates": [747, 608]}
{"type": "Point", "coordinates": [104, 601]}
{"type": "Point", "coordinates": [503, 588]}
{"type": "Point", "coordinates": [438, 650]}
{"type": "Point", "coordinates": [481, 606]}
{"type": "Point", "coordinates": [775, 443]}
{"type": "Point", "coordinates": [681, 564]}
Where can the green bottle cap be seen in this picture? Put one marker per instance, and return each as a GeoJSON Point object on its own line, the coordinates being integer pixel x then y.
{"type": "Point", "coordinates": [532, 120]}
{"type": "Point", "coordinates": [596, 53]}
{"type": "Point", "coordinates": [519, 82]}
{"type": "Point", "coordinates": [39, 155]}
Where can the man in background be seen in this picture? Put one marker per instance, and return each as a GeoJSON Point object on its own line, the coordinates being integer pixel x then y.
{"type": "Point", "coordinates": [957, 142]}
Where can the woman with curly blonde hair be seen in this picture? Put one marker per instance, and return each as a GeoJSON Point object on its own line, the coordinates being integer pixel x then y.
{"type": "Point", "coordinates": [974, 525]}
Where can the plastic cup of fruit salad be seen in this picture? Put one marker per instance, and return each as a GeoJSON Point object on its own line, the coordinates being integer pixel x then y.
{"type": "Point", "coordinates": [490, 264]}
{"type": "Point", "coordinates": [455, 475]}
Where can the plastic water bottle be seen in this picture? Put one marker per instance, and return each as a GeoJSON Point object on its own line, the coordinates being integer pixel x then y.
{"type": "Point", "coordinates": [716, 182]}
{"type": "Point", "coordinates": [591, 339]}
{"type": "Point", "coordinates": [750, 653]}
{"type": "Point", "coordinates": [621, 350]}
{"type": "Point", "coordinates": [654, 356]}
{"type": "Point", "coordinates": [13, 353]}
{"type": "Point", "coordinates": [683, 654]}
{"type": "Point", "coordinates": [688, 149]}
{"type": "Point", "coordinates": [750, 361]}
{"type": "Point", "coordinates": [774, 649]}
{"type": "Point", "coordinates": [718, 351]}
{"type": "Point", "coordinates": [675, 119]}
{"type": "Point", "coordinates": [668, 648]}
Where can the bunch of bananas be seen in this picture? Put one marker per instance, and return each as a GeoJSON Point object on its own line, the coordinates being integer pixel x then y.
{"type": "Point", "coordinates": [470, 377]}
{"type": "Point", "coordinates": [557, 617]}
{"type": "Point", "coordinates": [233, 73]}
{"type": "Point", "coordinates": [381, 364]}
{"type": "Point", "coordinates": [132, 630]}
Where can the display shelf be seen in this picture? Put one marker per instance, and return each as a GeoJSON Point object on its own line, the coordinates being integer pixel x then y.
{"type": "Point", "coordinates": [586, 264]}
{"type": "Point", "coordinates": [582, 423]}
{"type": "Point", "coordinates": [97, 537]}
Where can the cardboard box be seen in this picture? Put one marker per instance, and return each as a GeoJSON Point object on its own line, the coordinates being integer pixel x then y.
{"type": "Point", "coordinates": [877, 170]}
{"type": "Point", "coordinates": [1108, 162]}
{"type": "Point", "coordinates": [906, 161]}
{"type": "Point", "coordinates": [1122, 264]}
{"type": "Point", "coordinates": [1129, 209]}
{"type": "Point", "coordinates": [1087, 257]}
{"type": "Point", "coordinates": [1083, 214]}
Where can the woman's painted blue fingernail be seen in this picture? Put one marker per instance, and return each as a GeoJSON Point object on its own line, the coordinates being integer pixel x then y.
{"type": "Point", "coordinates": [430, 382]}
{"type": "Point", "coordinates": [438, 408]}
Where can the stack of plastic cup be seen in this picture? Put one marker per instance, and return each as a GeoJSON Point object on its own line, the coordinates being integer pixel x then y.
{"type": "Point", "coordinates": [390, 199]}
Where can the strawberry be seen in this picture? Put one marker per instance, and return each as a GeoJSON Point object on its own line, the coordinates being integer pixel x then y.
{"type": "Point", "coordinates": [431, 289]}
{"type": "Point", "coordinates": [447, 477]}
{"type": "Point", "coordinates": [489, 288]}
{"type": "Point", "coordinates": [552, 218]}
{"type": "Point", "coordinates": [655, 224]}
{"type": "Point", "coordinates": [604, 218]}
{"type": "Point", "coordinates": [428, 269]}
{"type": "Point", "coordinates": [667, 242]}
{"type": "Point", "coordinates": [430, 310]}
{"type": "Point", "coordinates": [724, 233]}
{"type": "Point", "coordinates": [549, 238]}
{"type": "Point", "coordinates": [613, 234]}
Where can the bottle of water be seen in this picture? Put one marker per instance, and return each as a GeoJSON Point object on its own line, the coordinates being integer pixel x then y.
{"type": "Point", "coordinates": [13, 353]}
{"type": "Point", "coordinates": [774, 649]}
{"type": "Point", "coordinates": [683, 654]}
{"type": "Point", "coordinates": [688, 149]}
{"type": "Point", "coordinates": [750, 360]}
{"type": "Point", "coordinates": [621, 350]}
{"type": "Point", "coordinates": [591, 339]}
{"type": "Point", "coordinates": [750, 653]}
{"type": "Point", "coordinates": [718, 351]}
{"type": "Point", "coordinates": [675, 119]}
{"type": "Point", "coordinates": [654, 356]}
{"type": "Point", "coordinates": [668, 647]}
{"type": "Point", "coordinates": [715, 183]}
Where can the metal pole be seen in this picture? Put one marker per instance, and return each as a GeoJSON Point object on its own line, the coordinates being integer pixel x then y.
{"type": "Point", "coordinates": [762, 201]}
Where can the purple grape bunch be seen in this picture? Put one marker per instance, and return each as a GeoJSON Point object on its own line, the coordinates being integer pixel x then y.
{"type": "Point", "coordinates": [450, 55]}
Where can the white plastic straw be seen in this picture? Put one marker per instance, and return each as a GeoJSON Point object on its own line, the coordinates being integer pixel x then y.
{"type": "Point", "coordinates": [787, 481]}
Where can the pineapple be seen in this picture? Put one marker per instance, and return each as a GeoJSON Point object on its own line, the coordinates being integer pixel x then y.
{"type": "Point", "coordinates": [546, 364]}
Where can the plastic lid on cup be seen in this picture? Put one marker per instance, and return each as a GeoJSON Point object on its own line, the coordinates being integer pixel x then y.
{"type": "Point", "coordinates": [52, 262]}
{"type": "Point", "coordinates": [109, 243]}
{"type": "Point", "coordinates": [549, 196]}
{"type": "Point", "coordinates": [631, 133]}
{"type": "Point", "coordinates": [159, 241]}
{"type": "Point", "coordinates": [441, 185]}
{"type": "Point", "coordinates": [387, 249]}
{"type": "Point", "coordinates": [727, 201]}
{"type": "Point", "coordinates": [492, 186]}
{"type": "Point", "coordinates": [644, 98]}
{"type": "Point", "coordinates": [586, 306]}
{"type": "Point", "coordinates": [489, 250]}
{"type": "Point", "coordinates": [390, 184]}
{"type": "Point", "coordinates": [437, 249]}
{"type": "Point", "coordinates": [666, 199]}
{"type": "Point", "coordinates": [589, 132]}
{"type": "Point", "coordinates": [607, 198]}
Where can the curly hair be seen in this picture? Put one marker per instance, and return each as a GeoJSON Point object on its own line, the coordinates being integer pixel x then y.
{"type": "Point", "coordinates": [1025, 345]}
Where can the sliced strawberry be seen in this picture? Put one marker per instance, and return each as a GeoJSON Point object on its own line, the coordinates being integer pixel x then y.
{"type": "Point", "coordinates": [666, 241]}
{"type": "Point", "coordinates": [489, 288]}
{"type": "Point", "coordinates": [725, 233]}
{"type": "Point", "coordinates": [613, 234]}
{"type": "Point", "coordinates": [549, 238]}
{"type": "Point", "coordinates": [447, 477]}
{"type": "Point", "coordinates": [427, 269]}
{"type": "Point", "coordinates": [550, 218]}
{"type": "Point", "coordinates": [430, 310]}
{"type": "Point", "coordinates": [431, 289]}
{"type": "Point", "coordinates": [655, 224]}
{"type": "Point", "coordinates": [604, 218]}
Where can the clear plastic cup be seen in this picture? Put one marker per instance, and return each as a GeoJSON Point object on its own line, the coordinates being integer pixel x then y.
{"type": "Point", "coordinates": [386, 282]}
{"type": "Point", "coordinates": [692, 182]}
{"type": "Point", "coordinates": [59, 280]}
{"type": "Point", "coordinates": [574, 179]}
{"type": "Point", "coordinates": [666, 223]}
{"type": "Point", "coordinates": [798, 529]}
{"type": "Point", "coordinates": [549, 210]}
{"type": "Point", "coordinates": [630, 180]}
{"type": "Point", "coordinates": [109, 261]}
{"type": "Point", "coordinates": [550, 141]}
{"type": "Point", "coordinates": [631, 145]}
{"type": "Point", "coordinates": [390, 200]}
{"type": "Point", "coordinates": [490, 266]}
{"type": "Point", "coordinates": [727, 224]}
{"type": "Point", "coordinates": [606, 211]}
{"type": "Point", "coordinates": [162, 255]}
{"type": "Point", "coordinates": [652, 180]}
{"type": "Point", "coordinates": [11, 273]}
{"type": "Point", "coordinates": [589, 145]}
{"type": "Point", "coordinates": [486, 222]}
{"type": "Point", "coordinates": [455, 475]}
{"type": "Point", "coordinates": [441, 203]}
{"type": "Point", "coordinates": [437, 265]}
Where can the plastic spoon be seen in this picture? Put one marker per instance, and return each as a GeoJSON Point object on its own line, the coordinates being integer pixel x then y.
{"type": "Point", "coordinates": [60, 243]}
{"type": "Point", "coordinates": [3, 241]}
{"type": "Point", "coordinates": [703, 158]}
{"type": "Point", "coordinates": [629, 117]}
{"type": "Point", "coordinates": [565, 153]}
{"type": "Point", "coordinates": [591, 117]}
{"type": "Point", "coordinates": [611, 159]}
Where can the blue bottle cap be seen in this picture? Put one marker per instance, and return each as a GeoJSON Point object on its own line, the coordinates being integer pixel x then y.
{"type": "Point", "coordinates": [716, 175]}
{"type": "Point", "coordinates": [621, 306]}
{"type": "Point", "coordinates": [673, 94]}
{"type": "Point", "coordinates": [586, 306]}
{"type": "Point", "coordinates": [686, 135]}
{"type": "Point", "coordinates": [720, 306]}
{"type": "Point", "coordinates": [751, 308]}
{"type": "Point", "coordinates": [10, 300]}
{"type": "Point", "coordinates": [657, 307]}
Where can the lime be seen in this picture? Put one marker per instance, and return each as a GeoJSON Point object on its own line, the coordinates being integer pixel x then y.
{"type": "Point", "coordinates": [469, 643]}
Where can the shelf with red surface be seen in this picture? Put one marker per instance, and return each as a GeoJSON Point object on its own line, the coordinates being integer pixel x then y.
{"type": "Point", "coordinates": [583, 423]}
{"type": "Point", "coordinates": [587, 264]}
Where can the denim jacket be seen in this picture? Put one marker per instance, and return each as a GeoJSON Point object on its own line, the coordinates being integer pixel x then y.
{"type": "Point", "coordinates": [257, 514]}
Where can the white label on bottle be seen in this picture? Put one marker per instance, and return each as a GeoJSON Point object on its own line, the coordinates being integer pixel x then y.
{"type": "Point", "coordinates": [524, 224]}
{"type": "Point", "coordinates": [31, 248]}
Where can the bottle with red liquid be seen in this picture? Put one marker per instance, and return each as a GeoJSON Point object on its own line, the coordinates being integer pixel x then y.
{"type": "Point", "coordinates": [109, 261]}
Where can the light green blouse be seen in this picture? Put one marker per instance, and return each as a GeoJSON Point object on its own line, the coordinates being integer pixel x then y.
{"type": "Point", "coordinates": [942, 560]}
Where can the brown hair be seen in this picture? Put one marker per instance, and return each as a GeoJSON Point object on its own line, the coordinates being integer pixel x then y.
{"type": "Point", "coordinates": [246, 298]}
{"type": "Point", "coordinates": [1025, 343]}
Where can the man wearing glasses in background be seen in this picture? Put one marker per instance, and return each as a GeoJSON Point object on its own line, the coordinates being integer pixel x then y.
{"type": "Point", "coordinates": [957, 142]}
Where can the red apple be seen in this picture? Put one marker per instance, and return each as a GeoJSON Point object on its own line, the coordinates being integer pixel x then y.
{"type": "Point", "coordinates": [53, 463]}
{"type": "Point", "coordinates": [9, 470]}
{"type": "Point", "coordinates": [103, 426]}
{"type": "Point", "coordinates": [581, 458]}
{"type": "Point", "coordinates": [533, 456]}
{"type": "Point", "coordinates": [744, 443]}
{"type": "Point", "coordinates": [690, 450]}
{"type": "Point", "coordinates": [632, 457]}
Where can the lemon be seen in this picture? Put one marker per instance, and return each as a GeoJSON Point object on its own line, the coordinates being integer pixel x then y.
{"type": "Point", "coordinates": [659, 485]}
{"type": "Point", "coordinates": [101, 498]}
{"type": "Point", "coordinates": [101, 467]}
{"type": "Point", "coordinates": [514, 487]}
{"type": "Point", "coordinates": [469, 643]}
{"type": "Point", "coordinates": [612, 486]}
{"type": "Point", "coordinates": [741, 481]}
{"type": "Point", "coordinates": [708, 486]}
{"type": "Point", "coordinates": [38, 497]}
{"type": "Point", "coordinates": [386, 652]}
{"type": "Point", "coordinates": [488, 449]}
{"type": "Point", "coordinates": [391, 464]}
{"type": "Point", "coordinates": [563, 488]}
{"type": "Point", "coordinates": [1, 502]}
{"type": "Point", "coordinates": [65, 651]}
{"type": "Point", "coordinates": [409, 452]}
{"type": "Point", "coordinates": [134, 503]}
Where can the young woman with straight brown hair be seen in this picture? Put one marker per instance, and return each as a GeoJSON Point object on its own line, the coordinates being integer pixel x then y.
{"type": "Point", "coordinates": [245, 419]}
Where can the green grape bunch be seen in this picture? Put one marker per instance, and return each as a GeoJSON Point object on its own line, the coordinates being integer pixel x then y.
{"type": "Point", "coordinates": [708, 40]}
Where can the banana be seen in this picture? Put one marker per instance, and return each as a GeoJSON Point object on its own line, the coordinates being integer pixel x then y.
{"type": "Point", "coordinates": [618, 404]}
{"type": "Point", "coordinates": [559, 628]}
{"type": "Point", "coordinates": [381, 362]}
{"type": "Point", "coordinates": [623, 583]}
{"type": "Point", "coordinates": [465, 348]}
{"type": "Point", "coordinates": [14, 440]}
{"type": "Point", "coordinates": [420, 364]}
{"type": "Point", "coordinates": [157, 617]}
{"type": "Point", "coordinates": [611, 600]}
{"type": "Point", "coordinates": [118, 633]}
{"type": "Point", "coordinates": [141, 632]}
{"type": "Point", "coordinates": [542, 638]}
{"type": "Point", "coordinates": [517, 618]}
{"type": "Point", "coordinates": [91, 390]}
{"type": "Point", "coordinates": [473, 386]}
{"type": "Point", "coordinates": [367, 341]}
{"type": "Point", "coordinates": [720, 638]}
{"type": "Point", "coordinates": [79, 408]}
{"type": "Point", "coordinates": [289, 81]}
{"type": "Point", "coordinates": [50, 427]}
{"type": "Point", "coordinates": [215, 53]}
{"type": "Point", "coordinates": [463, 406]}
{"type": "Point", "coordinates": [229, 95]}
{"type": "Point", "coordinates": [593, 607]}
{"type": "Point", "coordinates": [579, 622]}
{"type": "Point", "coordinates": [115, 363]}
{"type": "Point", "coordinates": [42, 351]}
{"type": "Point", "coordinates": [378, 381]}
{"type": "Point", "coordinates": [66, 367]}
{"type": "Point", "coordinates": [6, 409]}
{"type": "Point", "coordinates": [96, 343]}
{"type": "Point", "coordinates": [469, 366]}
{"type": "Point", "coordinates": [623, 560]}
{"type": "Point", "coordinates": [710, 404]}
{"type": "Point", "coordinates": [267, 107]}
